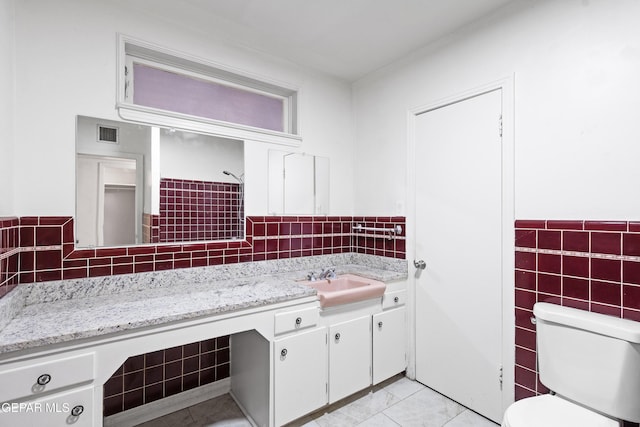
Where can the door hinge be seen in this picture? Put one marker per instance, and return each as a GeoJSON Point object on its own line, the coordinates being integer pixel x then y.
{"type": "Point", "coordinates": [500, 125]}
{"type": "Point", "coordinates": [501, 376]}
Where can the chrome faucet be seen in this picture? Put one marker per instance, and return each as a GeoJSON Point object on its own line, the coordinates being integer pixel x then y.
{"type": "Point", "coordinates": [329, 273]}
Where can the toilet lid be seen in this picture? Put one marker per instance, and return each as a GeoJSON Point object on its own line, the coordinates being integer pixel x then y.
{"type": "Point", "coordinates": [552, 411]}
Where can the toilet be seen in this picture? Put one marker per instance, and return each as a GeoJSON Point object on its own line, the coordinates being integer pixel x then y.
{"type": "Point", "coordinates": [591, 362]}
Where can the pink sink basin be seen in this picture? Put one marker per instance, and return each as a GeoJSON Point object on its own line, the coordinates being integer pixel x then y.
{"type": "Point", "coordinates": [346, 288]}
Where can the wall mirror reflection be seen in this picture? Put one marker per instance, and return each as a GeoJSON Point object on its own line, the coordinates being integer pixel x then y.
{"type": "Point", "coordinates": [139, 184]}
{"type": "Point", "coordinates": [298, 183]}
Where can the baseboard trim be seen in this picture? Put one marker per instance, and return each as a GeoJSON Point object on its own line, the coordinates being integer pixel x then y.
{"type": "Point", "coordinates": [158, 408]}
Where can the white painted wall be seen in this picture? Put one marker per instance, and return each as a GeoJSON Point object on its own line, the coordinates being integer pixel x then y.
{"type": "Point", "coordinates": [65, 65]}
{"type": "Point", "coordinates": [6, 106]}
{"type": "Point", "coordinates": [577, 96]}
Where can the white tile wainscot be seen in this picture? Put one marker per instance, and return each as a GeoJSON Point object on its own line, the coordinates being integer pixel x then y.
{"type": "Point", "coordinates": [61, 341]}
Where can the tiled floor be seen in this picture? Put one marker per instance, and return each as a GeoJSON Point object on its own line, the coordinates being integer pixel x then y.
{"type": "Point", "coordinates": [396, 402]}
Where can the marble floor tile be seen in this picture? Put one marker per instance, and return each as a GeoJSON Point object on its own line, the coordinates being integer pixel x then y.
{"type": "Point", "coordinates": [396, 402]}
{"type": "Point", "coordinates": [369, 405]}
{"type": "Point", "coordinates": [178, 418]}
{"type": "Point", "coordinates": [378, 420]}
{"type": "Point", "coordinates": [469, 418]}
{"type": "Point", "coordinates": [336, 419]}
{"type": "Point", "coordinates": [424, 408]}
{"type": "Point", "coordinates": [404, 387]}
{"type": "Point", "coordinates": [222, 410]}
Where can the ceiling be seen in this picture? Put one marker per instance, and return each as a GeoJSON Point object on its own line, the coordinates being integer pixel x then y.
{"type": "Point", "coordinates": [345, 38]}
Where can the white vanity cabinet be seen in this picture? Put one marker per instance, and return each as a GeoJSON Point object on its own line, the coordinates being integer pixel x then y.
{"type": "Point", "coordinates": [389, 344]}
{"type": "Point", "coordinates": [349, 357]}
{"type": "Point", "coordinates": [51, 392]}
{"type": "Point", "coordinates": [280, 373]}
{"type": "Point", "coordinates": [69, 408]}
{"type": "Point", "coordinates": [300, 374]}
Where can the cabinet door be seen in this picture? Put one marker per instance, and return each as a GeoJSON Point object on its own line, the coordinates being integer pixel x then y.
{"type": "Point", "coordinates": [349, 357]}
{"type": "Point", "coordinates": [300, 374]}
{"type": "Point", "coordinates": [71, 408]}
{"type": "Point", "coordinates": [389, 344]}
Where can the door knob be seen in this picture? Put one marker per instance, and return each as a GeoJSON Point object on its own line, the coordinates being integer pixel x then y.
{"type": "Point", "coordinates": [420, 265]}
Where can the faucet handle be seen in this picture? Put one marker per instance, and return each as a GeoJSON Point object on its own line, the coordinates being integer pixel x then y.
{"type": "Point", "coordinates": [311, 276]}
{"type": "Point", "coordinates": [330, 273]}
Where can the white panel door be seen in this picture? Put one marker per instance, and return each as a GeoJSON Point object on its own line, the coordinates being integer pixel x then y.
{"type": "Point", "coordinates": [300, 374]}
{"type": "Point", "coordinates": [389, 344]}
{"type": "Point", "coordinates": [349, 357]}
{"type": "Point", "coordinates": [458, 235]}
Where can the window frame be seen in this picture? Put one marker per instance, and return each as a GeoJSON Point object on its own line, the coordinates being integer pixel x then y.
{"type": "Point", "coordinates": [132, 50]}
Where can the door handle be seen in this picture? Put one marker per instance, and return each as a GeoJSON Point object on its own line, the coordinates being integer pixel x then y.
{"type": "Point", "coordinates": [420, 265]}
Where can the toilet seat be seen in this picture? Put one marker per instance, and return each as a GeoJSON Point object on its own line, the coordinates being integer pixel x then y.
{"type": "Point", "coordinates": [552, 411]}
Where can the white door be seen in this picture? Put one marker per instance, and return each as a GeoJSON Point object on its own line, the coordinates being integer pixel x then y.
{"type": "Point", "coordinates": [119, 226]}
{"type": "Point", "coordinates": [389, 344]}
{"type": "Point", "coordinates": [458, 235]}
{"type": "Point", "coordinates": [300, 374]}
{"type": "Point", "coordinates": [349, 357]}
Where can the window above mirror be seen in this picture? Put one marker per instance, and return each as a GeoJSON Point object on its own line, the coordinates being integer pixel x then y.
{"type": "Point", "coordinates": [166, 88]}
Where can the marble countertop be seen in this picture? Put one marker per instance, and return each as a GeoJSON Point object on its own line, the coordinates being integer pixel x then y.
{"type": "Point", "coordinates": [40, 314]}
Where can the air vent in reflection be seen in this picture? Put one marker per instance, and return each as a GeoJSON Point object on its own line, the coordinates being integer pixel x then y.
{"type": "Point", "coordinates": [108, 134]}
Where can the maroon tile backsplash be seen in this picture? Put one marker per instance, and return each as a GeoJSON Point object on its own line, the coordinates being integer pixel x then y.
{"type": "Point", "coordinates": [9, 253]}
{"type": "Point", "coordinates": [590, 265]}
{"type": "Point", "coordinates": [37, 249]}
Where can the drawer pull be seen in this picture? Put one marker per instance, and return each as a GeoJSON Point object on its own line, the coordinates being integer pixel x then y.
{"type": "Point", "coordinates": [44, 379]}
{"type": "Point", "coordinates": [396, 299]}
{"type": "Point", "coordinates": [298, 321]}
{"type": "Point", "coordinates": [380, 325]}
{"type": "Point", "coordinates": [337, 337]}
{"type": "Point", "coordinates": [77, 410]}
{"type": "Point", "coordinates": [283, 353]}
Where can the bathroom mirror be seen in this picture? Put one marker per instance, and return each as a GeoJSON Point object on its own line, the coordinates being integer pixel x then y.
{"type": "Point", "coordinates": [138, 184]}
{"type": "Point", "coordinates": [298, 183]}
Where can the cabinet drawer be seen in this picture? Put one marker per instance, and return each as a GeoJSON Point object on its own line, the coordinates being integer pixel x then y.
{"type": "Point", "coordinates": [293, 320]}
{"type": "Point", "coordinates": [71, 408]}
{"type": "Point", "coordinates": [33, 380]}
{"type": "Point", "coordinates": [394, 299]}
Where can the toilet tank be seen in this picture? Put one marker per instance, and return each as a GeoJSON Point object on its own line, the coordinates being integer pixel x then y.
{"type": "Point", "coordinates": [590, 358]}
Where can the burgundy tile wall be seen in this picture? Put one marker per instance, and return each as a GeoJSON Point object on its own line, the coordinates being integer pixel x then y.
{"type": "Point", "coordinates": [150, 228]}
{"type": "Point", "coordinates": [47, 250]}
{"type": "Point", "coordinates": [42, 249]}
{"type": "Point", "coordinates": [382, 243]}
{"type": "Point", "coordinates": [152, 376]}
{"type": "Point", "coordinates": [199, 210]}
{"type": "Point", "coordinates": [590, 265]}
{"type": "Point", "coordinates": [9, 253]}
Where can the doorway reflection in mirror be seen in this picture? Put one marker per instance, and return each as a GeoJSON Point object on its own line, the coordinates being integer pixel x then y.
{"type": "Point", "coordinates": [152, 185]}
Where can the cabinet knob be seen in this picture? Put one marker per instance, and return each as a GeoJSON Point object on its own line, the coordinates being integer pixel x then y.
{"type": "Point", "coordinates": [298, 321]}
{"type": "Point", "coordinates": [283, 352]}
{"type": "Point", "coordinates": [44, 379]}
{"type": "Point", "coordinates": [337, 336]}
{"type": "Point", "coordinates": [380, 324]}
{"type": "Point", "coordinates": [77, 410]}
{"type": "Point", "coordinates": [396, 299]}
